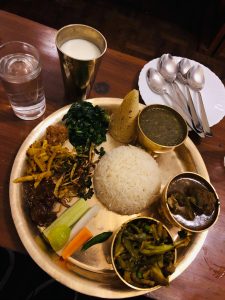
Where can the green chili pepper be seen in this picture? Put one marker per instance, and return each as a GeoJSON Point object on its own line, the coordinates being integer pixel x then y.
{"type": "Point", "coordinates": [100, 238]}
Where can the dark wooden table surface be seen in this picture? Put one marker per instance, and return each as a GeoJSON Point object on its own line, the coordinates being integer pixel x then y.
{"type": "Point", "coordinates": [118, 73]}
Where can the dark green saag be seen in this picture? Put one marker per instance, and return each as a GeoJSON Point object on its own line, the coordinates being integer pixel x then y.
{"type": "Point", "coordinates": [87, 125]}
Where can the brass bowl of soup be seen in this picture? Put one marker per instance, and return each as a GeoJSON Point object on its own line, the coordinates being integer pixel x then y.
{"type": "Point", "coordinates": [161, 128]}
{"type": "Point", "coordinates": [190, 202]}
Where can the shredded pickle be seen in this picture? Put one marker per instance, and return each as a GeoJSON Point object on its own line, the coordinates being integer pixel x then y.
{"type": "Point", "coordinates": [69, 171]}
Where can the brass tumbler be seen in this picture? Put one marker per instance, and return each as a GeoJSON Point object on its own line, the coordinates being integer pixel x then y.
{"type": "Point", "coordinates": [79, 74]}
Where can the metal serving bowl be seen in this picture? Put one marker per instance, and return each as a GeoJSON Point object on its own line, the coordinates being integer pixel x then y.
{"type": "Point", "coordinates": [151, 221]}
{"type": "Point", "coordinates": [151, 144]}
{"type": "Point", "coordinates": [192, 226]}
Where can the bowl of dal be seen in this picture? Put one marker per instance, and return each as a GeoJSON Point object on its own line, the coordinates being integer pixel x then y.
{"type": "Point", "coordinates": [161, 128]}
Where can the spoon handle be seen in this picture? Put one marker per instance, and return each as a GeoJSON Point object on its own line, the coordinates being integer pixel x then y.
{"type": "Point", "coordinates": [180, 94]}
{"type": "Point", "coordinates": [205, 122]}
{"type": "Point", "coordinates": [188, 102]}
{"type": "Point", "coordinates": [192, 110]}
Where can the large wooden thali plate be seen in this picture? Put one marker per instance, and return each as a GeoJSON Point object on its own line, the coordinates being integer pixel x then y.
{"type": "Point", "coordinates": [91, 272]}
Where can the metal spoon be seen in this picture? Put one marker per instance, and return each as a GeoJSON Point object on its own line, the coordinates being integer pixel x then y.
{"type": "Point", "coordinates": [168, 68]}
{"type": "Point", "coordinates": [183, 68]}
{"type": "Point", "coordinates": [158, 85]}
{"type": "Point", "coordinates": [196, 80]}
{"type": "Point", "coordinates": [156, 82]}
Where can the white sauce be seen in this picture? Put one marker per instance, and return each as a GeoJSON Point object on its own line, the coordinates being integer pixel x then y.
{"type": "Point", "coordinates": [80, 49]}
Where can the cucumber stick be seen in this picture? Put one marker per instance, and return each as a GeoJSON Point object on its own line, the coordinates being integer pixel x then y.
{"type": "Point", "coordinates": [91, 213]}
{"type": "Point", "coordinates": [69, 217]}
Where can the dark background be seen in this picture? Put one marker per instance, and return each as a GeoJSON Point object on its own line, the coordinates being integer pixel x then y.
{"type": "Point", "coordinates": [142, 28]}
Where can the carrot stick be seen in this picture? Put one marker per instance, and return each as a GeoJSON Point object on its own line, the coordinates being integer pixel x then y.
{"type": "Point", "coordinates": [83, 236]}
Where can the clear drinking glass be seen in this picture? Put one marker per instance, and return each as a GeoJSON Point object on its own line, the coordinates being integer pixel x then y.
{"type": "Point", "coordinates": [20, 73]}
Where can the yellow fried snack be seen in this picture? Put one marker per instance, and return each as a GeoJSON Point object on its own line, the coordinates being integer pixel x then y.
{"type": "Point", "coordinates": [123, 121]}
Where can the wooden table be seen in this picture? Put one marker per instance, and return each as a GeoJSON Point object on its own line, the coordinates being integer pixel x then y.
{"type": "Point", "coordinates": [118, 73]}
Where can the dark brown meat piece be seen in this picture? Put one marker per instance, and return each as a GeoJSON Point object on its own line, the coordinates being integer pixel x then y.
{"type": "Point", "coordinates": [180, 204]}
{"type": "Point", "coordinates": [205, 201]}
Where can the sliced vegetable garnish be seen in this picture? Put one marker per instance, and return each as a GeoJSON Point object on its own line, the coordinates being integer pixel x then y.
{"type": "Point", "coordinates": [59, 236]}
{"type": "Point", "coordinates": [83, 235]}
{"type": "Point", "coordinates": [91, 213]}
{"type": "Point", "coordinates": [100, 238]}
{"type": "Point", "coordinates": [65, 220]}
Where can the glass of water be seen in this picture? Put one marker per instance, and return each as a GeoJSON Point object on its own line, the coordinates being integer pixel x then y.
{"type": "Point", "coordinates": [20, 73]}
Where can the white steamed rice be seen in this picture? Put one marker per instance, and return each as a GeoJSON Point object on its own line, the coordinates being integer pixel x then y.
{"type": "Point", "coordinates": [126, 180]}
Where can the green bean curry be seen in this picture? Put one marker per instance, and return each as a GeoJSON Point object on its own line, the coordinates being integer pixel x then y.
{"type": "Point", "coordinates": [144, 253]}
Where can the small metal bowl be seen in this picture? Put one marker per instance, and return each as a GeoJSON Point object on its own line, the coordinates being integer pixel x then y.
{"type": "Point", "coordinates": [201, 222]}
{"type": "Point", "coordinates": [150, 221]}
{"type": "Point", "coordinates": [145, 135]}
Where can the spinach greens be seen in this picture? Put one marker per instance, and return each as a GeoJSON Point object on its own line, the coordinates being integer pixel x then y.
{"type": "Point", "coordinates": [87, 124]}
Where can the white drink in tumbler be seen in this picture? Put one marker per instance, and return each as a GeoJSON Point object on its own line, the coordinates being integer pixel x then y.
{"type": "Point", "coordinates": [80, 48]}
{"type": "Point", "coordinates": [20, 72]}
